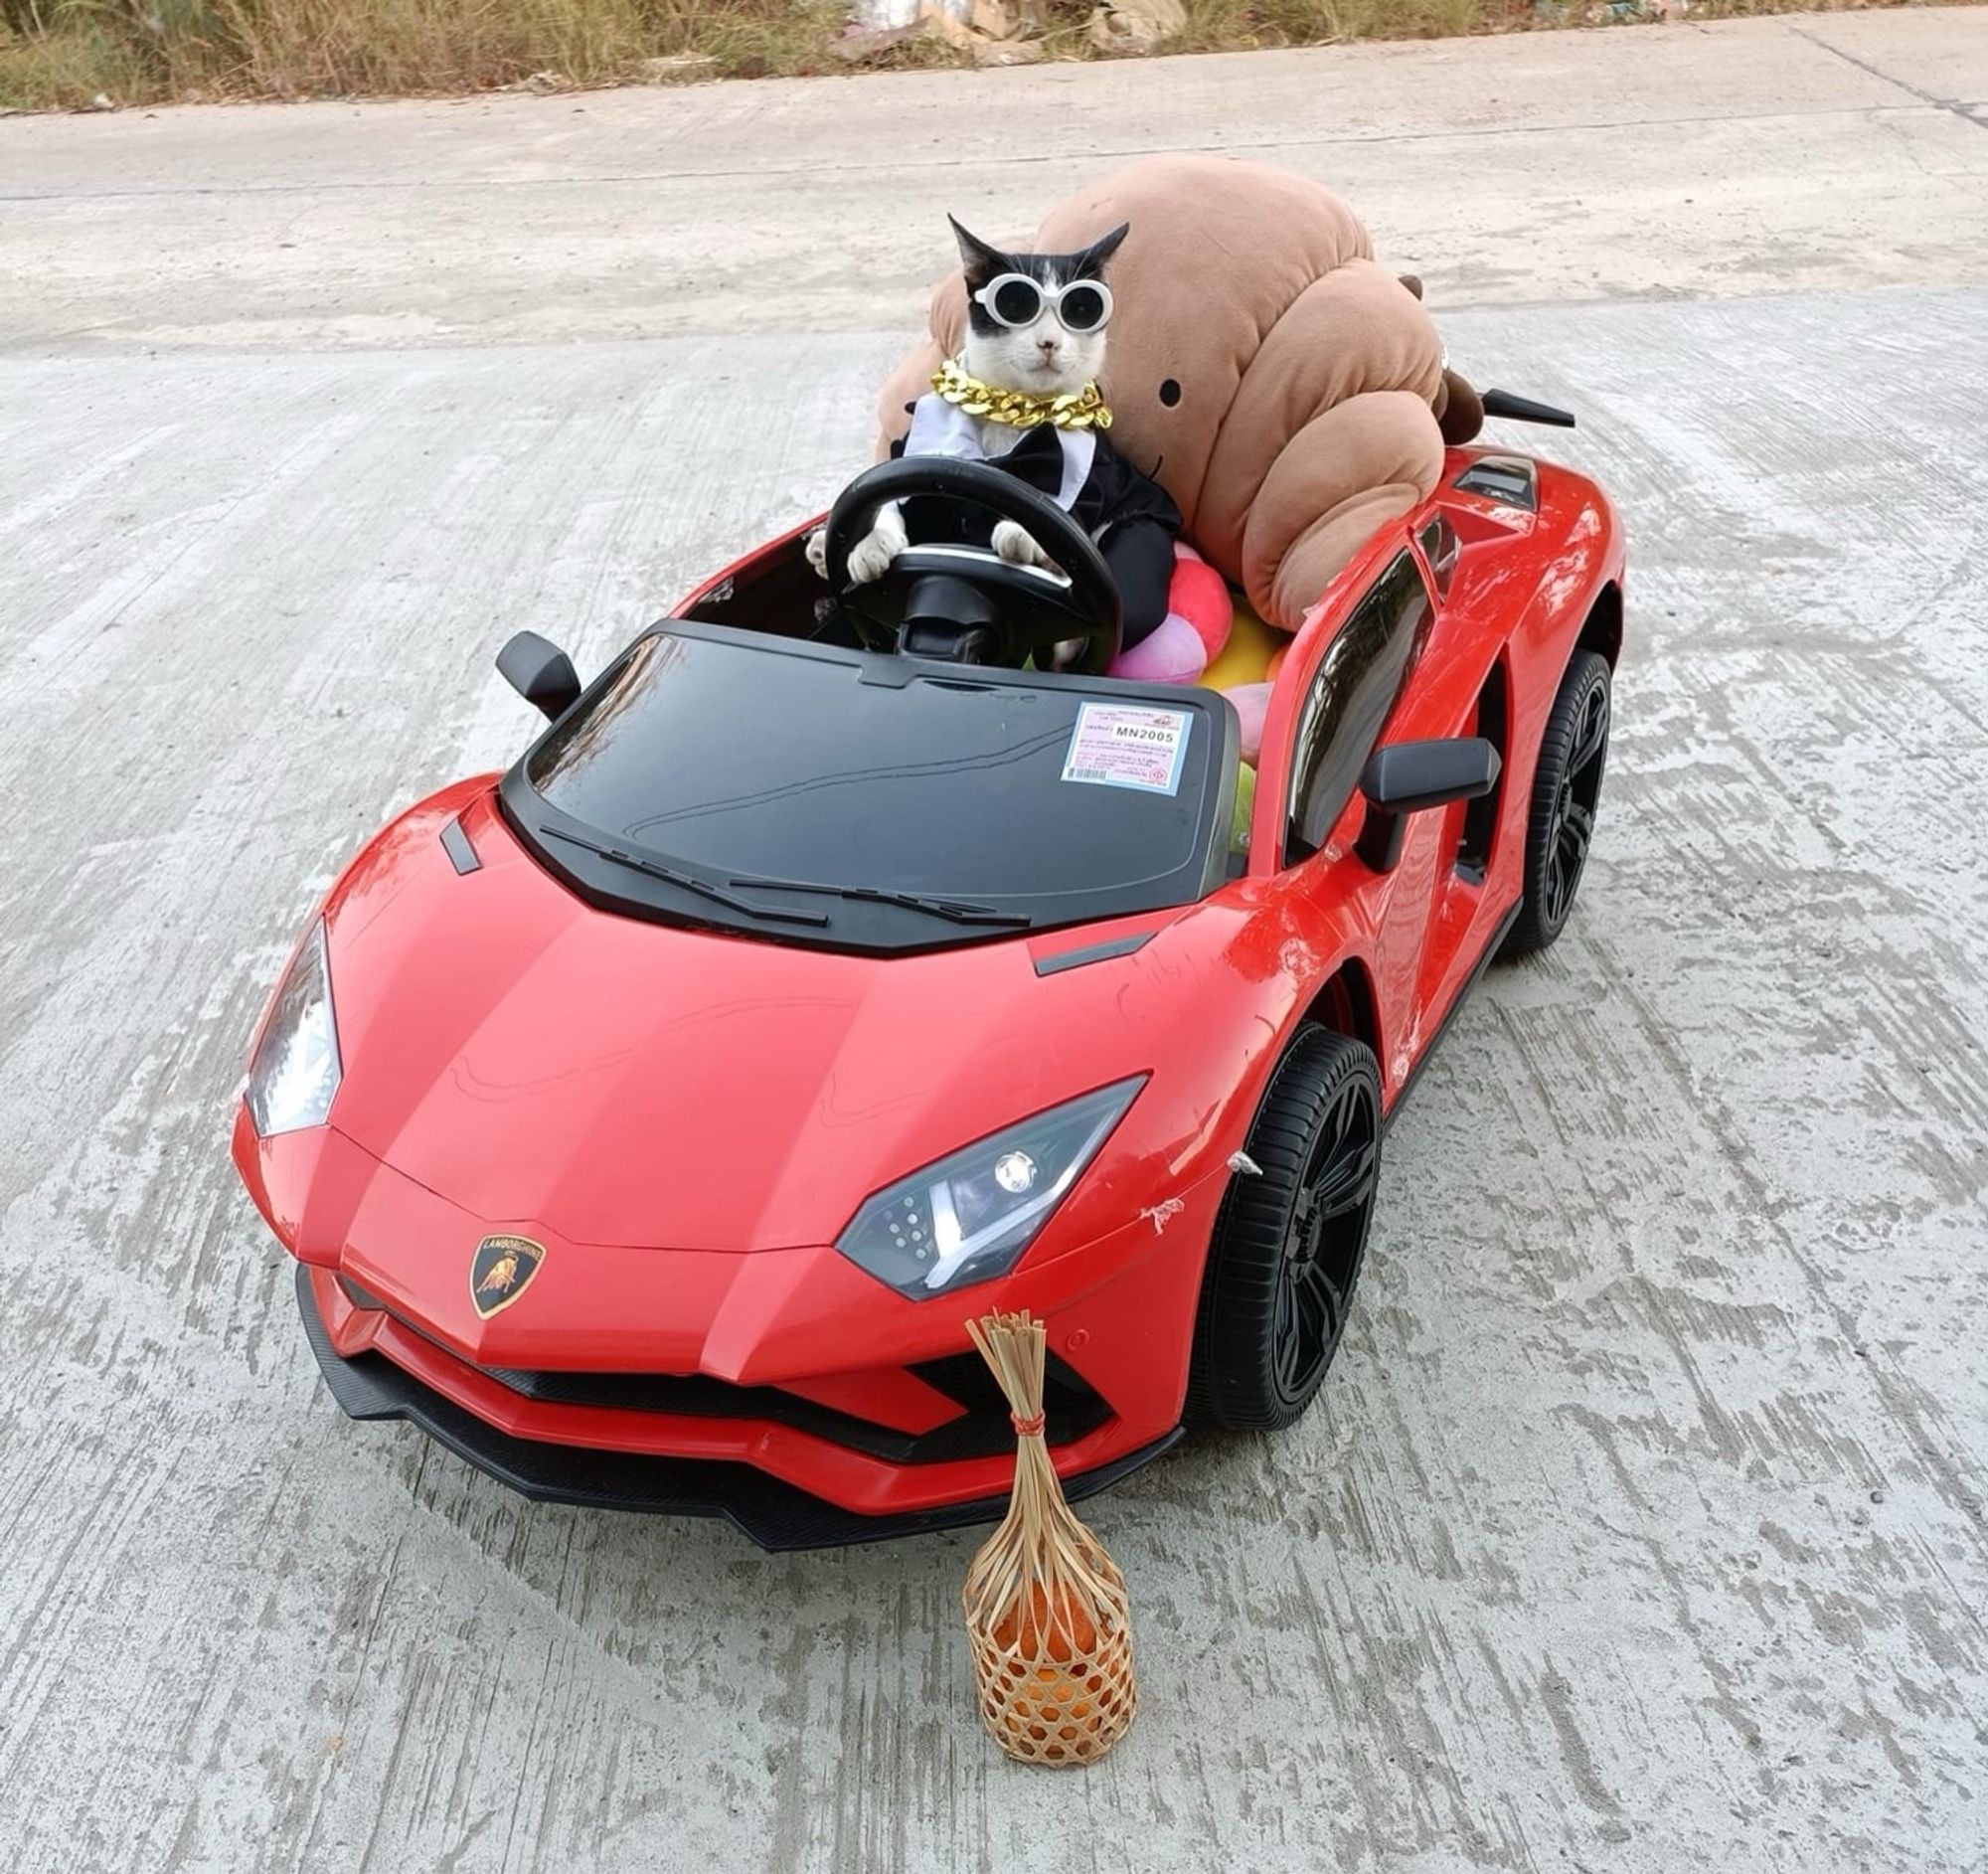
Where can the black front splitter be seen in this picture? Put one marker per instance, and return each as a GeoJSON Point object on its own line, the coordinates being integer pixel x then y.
{"type": "Point", "coordinates": [776, 1515]}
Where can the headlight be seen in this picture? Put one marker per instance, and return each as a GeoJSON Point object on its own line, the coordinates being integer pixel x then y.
{"type": "Point", "coordinates": [968, 1217]}
{"type": "Point", "coordinates": [295, 1070]}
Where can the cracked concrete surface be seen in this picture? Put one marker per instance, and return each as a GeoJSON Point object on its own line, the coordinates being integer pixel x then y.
{"type": "Point", "coordinates": [1641, 1524]}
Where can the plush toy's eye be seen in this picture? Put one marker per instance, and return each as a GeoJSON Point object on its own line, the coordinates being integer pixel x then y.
{"type": "Point", "coordinates": [1170, 393]}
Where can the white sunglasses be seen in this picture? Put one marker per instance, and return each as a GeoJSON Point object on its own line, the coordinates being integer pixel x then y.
{"type": "Point", "coordinates": [1015, 300]}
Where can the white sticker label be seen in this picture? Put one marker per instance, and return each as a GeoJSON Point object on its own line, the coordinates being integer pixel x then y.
{"type": "Point", "coordinates": [1121, 745]}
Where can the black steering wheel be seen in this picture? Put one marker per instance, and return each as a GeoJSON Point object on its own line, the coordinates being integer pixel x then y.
{"type": "Point", "coordinates": [967, 605]}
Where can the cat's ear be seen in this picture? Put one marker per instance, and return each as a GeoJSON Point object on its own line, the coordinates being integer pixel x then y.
{"type": "Point", "coordinates": [981, 262]}
{"type": "Point", "coordinates": [1090, 262]}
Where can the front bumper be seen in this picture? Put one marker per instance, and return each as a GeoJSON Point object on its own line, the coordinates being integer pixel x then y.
{"type": "Point", "coordinates": [785, 1390]}
{"type": "Point", "coordinates": [776, 1515]}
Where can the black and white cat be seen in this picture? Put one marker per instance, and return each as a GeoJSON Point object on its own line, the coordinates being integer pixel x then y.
{"type": "Point", "coordinates": [1036, 325]}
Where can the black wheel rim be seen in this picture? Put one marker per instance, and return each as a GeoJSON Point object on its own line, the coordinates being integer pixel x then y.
{"type": "Point", "coordinates": [1573, 825]}
{"type": "Point", "coordinates": [1325, 1240]}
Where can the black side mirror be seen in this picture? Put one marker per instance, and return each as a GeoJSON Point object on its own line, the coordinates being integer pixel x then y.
{"type": "Point", "coordinates": [541, 673]}
{"type": "Point", "coordinates": [1410, 776]}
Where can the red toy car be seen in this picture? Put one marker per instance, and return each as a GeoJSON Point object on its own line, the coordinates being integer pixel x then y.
{"type": "Point", "coordinates": [647, 1121]}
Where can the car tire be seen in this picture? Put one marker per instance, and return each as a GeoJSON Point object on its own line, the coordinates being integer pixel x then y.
{"type": "Point", "coordinates": [1290, 1240]}
{"type": "Point", "coordinates": [1566, 792]}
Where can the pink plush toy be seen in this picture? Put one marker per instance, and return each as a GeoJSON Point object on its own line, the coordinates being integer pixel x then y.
{"type": "Point", "coordinates": [1252, 703]}
{"type": "Point", "coordinates": [1197, 626]}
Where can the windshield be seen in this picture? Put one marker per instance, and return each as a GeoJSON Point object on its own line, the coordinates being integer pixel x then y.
{"type": "Point", "coordinates": [816, 794]}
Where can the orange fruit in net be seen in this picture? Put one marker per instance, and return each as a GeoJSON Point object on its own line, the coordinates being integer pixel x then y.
{"type": "Point", "coordinates": [1054, 1704]}
{"type": "Point", "coordinates": [1065, 1631]}
{"type": "Point", "coordinates": [1047, 1618]}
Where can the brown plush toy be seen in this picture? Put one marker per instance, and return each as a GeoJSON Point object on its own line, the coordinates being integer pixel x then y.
{"type": "Point", "coordinates": [1284, 388]}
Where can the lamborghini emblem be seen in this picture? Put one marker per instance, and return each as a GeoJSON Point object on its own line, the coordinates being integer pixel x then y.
{"type": "Point", "coordinates": [499, 1271]}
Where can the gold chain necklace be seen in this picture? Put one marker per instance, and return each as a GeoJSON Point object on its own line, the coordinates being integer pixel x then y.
{"type": "Point", "coordinates": [1023, 410]}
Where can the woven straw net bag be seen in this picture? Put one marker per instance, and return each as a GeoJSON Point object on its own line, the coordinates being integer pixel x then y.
{"type": "Point", "coordinates": [1047, 1616]}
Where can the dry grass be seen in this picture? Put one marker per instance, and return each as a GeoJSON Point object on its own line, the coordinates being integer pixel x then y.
{"type": "Point", "coordinates": [1239, 25]}
{"type": "Point", "coordinates": [1243, 25]}
{"type": "Point", "coordinates": [65, 53]}
{"type": "Point", "coordinates": [55, 53]}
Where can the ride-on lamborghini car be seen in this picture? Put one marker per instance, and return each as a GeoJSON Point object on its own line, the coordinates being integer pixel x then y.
{"type": "Point", "coordinates": [647, 1121]}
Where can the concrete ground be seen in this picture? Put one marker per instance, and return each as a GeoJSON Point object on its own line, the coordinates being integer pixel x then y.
{"type": "Point", "coordinates": [1641, 1523]}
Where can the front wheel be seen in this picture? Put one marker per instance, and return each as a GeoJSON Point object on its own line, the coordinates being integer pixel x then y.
{"type": "Point", "coordinates": [1566, 792]}
{"type": "Point", "coordinates": [1288, 1244]}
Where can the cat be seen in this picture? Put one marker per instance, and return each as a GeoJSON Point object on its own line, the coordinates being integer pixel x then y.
{"type": "Point", "coordinates": [1046, 342]}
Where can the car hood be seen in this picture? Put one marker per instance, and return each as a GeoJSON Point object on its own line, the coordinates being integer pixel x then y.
{"type": "Point", "coordinates": [533, 1059]}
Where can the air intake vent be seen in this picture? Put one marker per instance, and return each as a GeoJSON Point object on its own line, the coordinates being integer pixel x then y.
{"type": "Point", "coordinates": [1506, 479]}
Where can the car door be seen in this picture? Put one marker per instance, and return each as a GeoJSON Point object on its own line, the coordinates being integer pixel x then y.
{"type": "Point", "coordinates": [1441, 918]}
{"type": "Point", "coordinates": [1353, 691]}
{"type": "Point", "coordinates": [1463, 688]}
{"type": "Point", "coordinates": [1404, 666]}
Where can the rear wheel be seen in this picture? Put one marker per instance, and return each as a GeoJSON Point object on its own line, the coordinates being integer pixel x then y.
{"type": "Point", "coordinates": [1288, 1244]}
{"type": "Point", "coordinates": [1567, 790]}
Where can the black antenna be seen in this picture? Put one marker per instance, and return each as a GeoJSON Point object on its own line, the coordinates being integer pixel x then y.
{"type": "Point", "coordinates": [1524, 410]}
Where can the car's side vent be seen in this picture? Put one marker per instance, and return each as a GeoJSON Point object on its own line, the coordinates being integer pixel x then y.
{"type": "Point", "coordinates": [1092, 953]}
{"type": "Point", "coordinates": [1506, 479]}
{"type": "Point", "coordinates": [1480, 817]}
{"type": "Point", "coordinates": [461, 854]}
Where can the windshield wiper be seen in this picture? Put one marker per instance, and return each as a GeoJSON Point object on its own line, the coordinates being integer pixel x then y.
{"type": "Point", "coordinates": [953, 909]}
{"type": "Point", "coordinates": [950, 908]}
{"type": "Point", "coordinates": [688, 880]}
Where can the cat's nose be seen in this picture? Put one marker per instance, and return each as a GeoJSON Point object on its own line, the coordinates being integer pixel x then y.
{"type": "Point", "coordinates": [1048, 346]}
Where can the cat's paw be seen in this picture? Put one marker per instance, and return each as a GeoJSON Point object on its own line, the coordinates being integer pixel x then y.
{"type": "Point", "coordinates": [1017, 545]}
{"type": "Point", "coordinates": [817, 552]}
{"type": "Point", "coordinates": [870, 557]}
